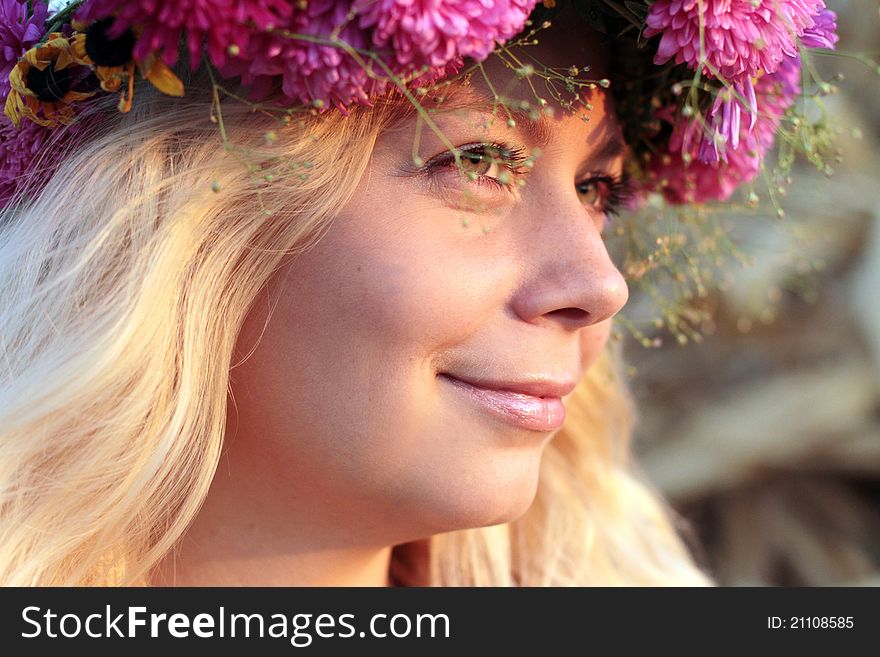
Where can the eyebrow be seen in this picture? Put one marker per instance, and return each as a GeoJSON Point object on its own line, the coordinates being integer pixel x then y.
{"type": "Point", "coordinates": [538, 131]}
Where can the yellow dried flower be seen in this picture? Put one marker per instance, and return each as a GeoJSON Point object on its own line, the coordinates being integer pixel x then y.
{"type": "Point", "coordinates": [41, 83]}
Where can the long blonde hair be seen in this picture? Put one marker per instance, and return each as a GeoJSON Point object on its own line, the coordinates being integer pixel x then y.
{"type": "Point", "coordinates": [123, 286]}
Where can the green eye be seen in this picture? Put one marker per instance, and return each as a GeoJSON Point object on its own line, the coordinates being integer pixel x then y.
{"type": "Point", "coordinates": [590, 191]}
{"type": "Point", "coordinates": [492, 164]}
{"type": "Point", "coordinates": [478, 163]}
{"type": "Point", "coordinates": [607, 193]}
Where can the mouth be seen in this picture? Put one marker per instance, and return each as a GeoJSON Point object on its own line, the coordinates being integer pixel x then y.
{"type": "Point", "coordinates": [519, 404]}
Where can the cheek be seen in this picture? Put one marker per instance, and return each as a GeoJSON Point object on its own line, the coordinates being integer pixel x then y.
{"type": "Point", "coordinates": [407, 284]}
{"type": "Point", "coordinates": [593, 340]}
{"type": "Point", "coordinates": [343, 376]}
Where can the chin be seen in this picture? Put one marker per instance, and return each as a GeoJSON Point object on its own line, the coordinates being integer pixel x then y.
{"type": "Point", "coordinates": [482, 499]}
{"type": "Point", "coordinates": [512, 507]}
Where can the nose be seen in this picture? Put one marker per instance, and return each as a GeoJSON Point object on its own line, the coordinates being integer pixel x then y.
{"type": "Point", "coordinates": [571, 280]}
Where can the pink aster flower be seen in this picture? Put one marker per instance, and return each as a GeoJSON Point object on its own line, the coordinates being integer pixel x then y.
{"type": "Point", "coordinates": [777, 92]}
{"type": "Point", "coordinates": [308, 70]}
{"type": "Point", "coordinates": [742, 37]}
{"type": "Point", "coordinates": [724, 122]}
{"type": "Point", "coordinates": [418, 40]}
{"type": "Point", "coordinates": [823, 34]}
{"type": "Point", "coordinates": [326, 72]}
{"type": "Point", "coordinates": [721, 127]}
{"type": "Point", "coordinates": [18, 33]}
{"type": "Point", "coordinates": [219, 23]}
{"type": "Point", "coordinates": [435, 32]}
{"type": "Point", "coordinates": [682, 177]}
{"type": "Point", "coordinates": [29, 148]}
{"type": "Point", "coordinates": [311, 71]}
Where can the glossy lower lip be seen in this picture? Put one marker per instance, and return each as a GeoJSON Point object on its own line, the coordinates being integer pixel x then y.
{"type": "Point", "coordinates": [535, 413]}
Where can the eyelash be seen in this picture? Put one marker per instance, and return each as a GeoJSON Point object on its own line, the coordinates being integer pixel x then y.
{"type": "Point", "coordinates": [617, 187]}
{"type": "Point", "coordinates": [618, 191]}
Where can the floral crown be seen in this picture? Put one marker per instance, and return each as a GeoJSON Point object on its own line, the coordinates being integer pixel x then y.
{"type": "Point", "coordinates": [704, 88]}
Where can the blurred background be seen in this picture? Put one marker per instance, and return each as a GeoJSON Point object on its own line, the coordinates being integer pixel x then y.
{"type": "Point", "coordinates": [765, 435]}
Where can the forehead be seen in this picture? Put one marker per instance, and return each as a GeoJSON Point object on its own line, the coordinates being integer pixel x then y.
{"type": "Point", "coordinates": [538, 85]}
{"type": "Point", "coordinates": [555, 62]}
{"type": "Point", "coordinates": [567, 42]}
{"type": "Point", "coordinates": [543, 107]}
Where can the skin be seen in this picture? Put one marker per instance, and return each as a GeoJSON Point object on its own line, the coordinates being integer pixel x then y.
{"type": "Point", "coordinates": [342, 441]}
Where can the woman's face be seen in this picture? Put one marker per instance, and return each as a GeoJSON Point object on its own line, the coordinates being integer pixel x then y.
{"type": "Point", "coordinates": [355, 403]}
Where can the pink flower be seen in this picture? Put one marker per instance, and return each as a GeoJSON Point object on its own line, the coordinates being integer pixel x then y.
{"type": "Point", "coordinates": [682, 177]}
{"type": "Point", "coordinates": [315, 70]}
{"type": "Point", "coordinates": [741, 37]}
{"type": "Point", "coordinates": [219, 23]}
{"type": "Point", "coordinates": [18, 33]}
{"type": "Point", "coordinates": [823, 34]}
{"type": "Point", "coordinates": [30, 154]}
{"type": "Point", "coordinates": [418, 40]}
{"type": "Point", "coordinates": [309, 69]}
{"type": "Point", "coordinates": [724, 122]}
{"type": "Point", "coordinates": [436, 32]}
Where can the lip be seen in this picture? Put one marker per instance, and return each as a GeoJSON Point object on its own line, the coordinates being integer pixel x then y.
{"type": "Point", "coordinates": [535, 405]}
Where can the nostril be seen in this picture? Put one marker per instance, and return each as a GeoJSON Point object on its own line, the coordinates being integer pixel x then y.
{"type": "Point", "coordinates": [571, 314]}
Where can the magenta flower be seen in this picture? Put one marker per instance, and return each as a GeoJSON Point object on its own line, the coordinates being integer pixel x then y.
{"type": "Point", "coordinates": [315, 71]}
{"type": "Point", "coordinates": [724, 122]}
{"type": "Point", "coordinates": [309, 70]}
{"type": "Point", "coordinates": [436, 32]}
{"type": "Point", "coordinates": [742, 37]}
{"type": "Point", "coordinates": [312, 71]}
{"type": "Point", "coordinates": [699, 182]}
{"type": "Point", "coordinates": [18, 33]}
{"type": "Point", "coordinates": [721, 127]}
{"type": "Point", "coordinates": [265, 42]}
{"type": "Point", "coordinates": [683, 177]}
{"type": "Point", "coordinates": [823, 33]}
{"type": "Point", "coordinates": [778, 91]}
{"type": "Point", "coordinates": [28, 150]}
{"type": "Point", "coordinates": [218, 23]}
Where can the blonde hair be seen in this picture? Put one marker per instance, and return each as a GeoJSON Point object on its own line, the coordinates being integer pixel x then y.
{"type": "Point", "coordinates": [123, 286]}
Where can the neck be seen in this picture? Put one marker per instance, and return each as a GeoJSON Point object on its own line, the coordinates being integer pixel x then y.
{"type": "Point", "coordinates": [245, 534]}
{"type": "Point", "coordinates": [224, 561]}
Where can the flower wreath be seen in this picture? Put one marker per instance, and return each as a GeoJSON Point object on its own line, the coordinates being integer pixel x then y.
{"type": "Point", "coordinates": [704, 88]}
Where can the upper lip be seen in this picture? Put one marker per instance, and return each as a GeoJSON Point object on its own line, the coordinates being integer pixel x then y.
{"type": "Point", "coordinates": [535, 386]}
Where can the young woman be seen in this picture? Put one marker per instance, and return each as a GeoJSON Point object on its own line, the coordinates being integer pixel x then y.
{"type": "Point", "coordinates": [243, 353]}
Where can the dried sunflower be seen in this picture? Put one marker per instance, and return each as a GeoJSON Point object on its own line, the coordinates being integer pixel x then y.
{"type": "Point", "coordinates": [43, 83]}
